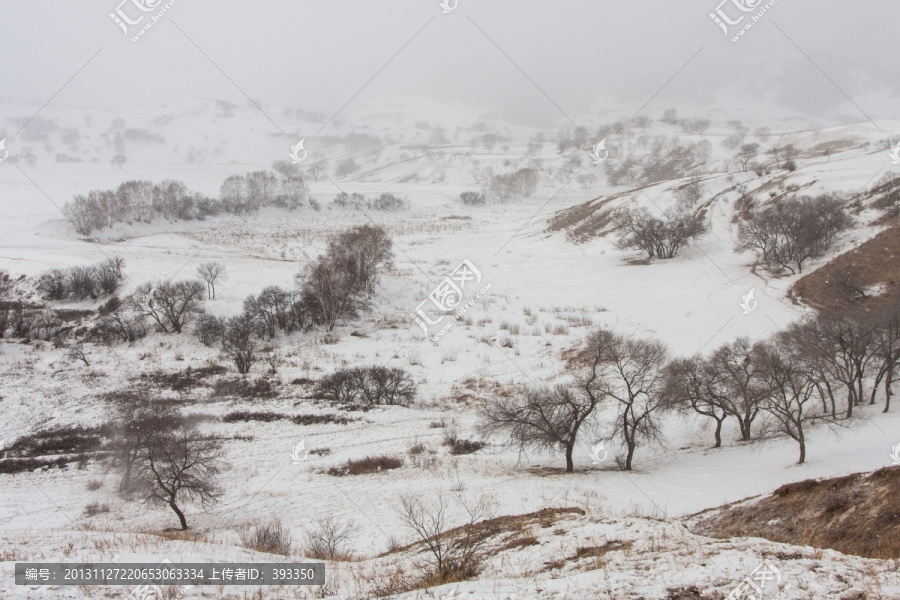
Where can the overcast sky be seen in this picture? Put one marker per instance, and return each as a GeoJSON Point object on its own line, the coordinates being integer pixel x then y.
{"type": "Point", "coordinates": [583, 56]}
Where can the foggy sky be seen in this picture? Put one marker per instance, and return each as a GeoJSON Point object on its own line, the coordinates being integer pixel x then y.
{"type": "Point", "coordinates": [585, 56]}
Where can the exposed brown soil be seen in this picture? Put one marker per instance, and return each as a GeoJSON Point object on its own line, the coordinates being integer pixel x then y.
{"type": "Point", "coordinates": [856, 514]}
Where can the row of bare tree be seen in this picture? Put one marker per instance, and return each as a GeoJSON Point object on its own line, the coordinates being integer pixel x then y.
{"type": "Point", "coordinates": [145, 201]}
{"type": "Point", "coordinates": [815, 371]}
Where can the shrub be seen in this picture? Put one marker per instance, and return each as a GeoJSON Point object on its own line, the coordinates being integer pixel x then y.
{"type": "Point", "coordinates": [329, 538]}
{"type": "Point", "coordinates": [95, 508]}
{"type": "Point", "coordinates": [209, 329]}
{"type": "Point", "coordinates": [458, 446]}
{"type": "Point", "coordinates": [472, 199]}
{"type": "Point", "coordinates": [368, 385]}
{"type": "Point", "coordinates": [387, 202]}
{"type": "Point", "coordinates": [272, 537]}
{"type": "Point", "coordinates": [365, 466]}
{"type": "Point", "coordinates": [657, 237]}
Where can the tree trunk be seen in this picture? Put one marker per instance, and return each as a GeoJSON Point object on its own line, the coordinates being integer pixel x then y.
{"type": "Point", "coordinates": [718, 433]}
{"type": "Point", "coordinates": [630, 455]}
{"type": "Point", "coordinates": [178, 512]}
{"type": "Point", "coordinates": [570, 464]}
{"type": "Point", "coordinates": [887, 392]}
{"type": "Point", "coordinates": [802, 452]}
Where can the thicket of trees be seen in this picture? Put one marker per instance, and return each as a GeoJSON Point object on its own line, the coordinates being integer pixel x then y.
{"type": "Point", "coordinates": [385, 202]}
{"type": "Point", "coordinates": [368, 385]}
{"type": "Point", "coordinates": [82, 282]}
{"type": "Point", "coordinates": [512, 186]}
{"type": "Point", "coordinates": [816, 371]}
{"type": "Point", "coordinates": [145, 201]}
{"type": "Point", "coordinates": [787, 232]}
{"type": "Point", "coordinates": [667, 160]}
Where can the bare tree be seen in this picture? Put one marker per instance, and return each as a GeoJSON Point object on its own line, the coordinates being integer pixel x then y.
{"type": "Point", "coordinates": [790, 389]}
{"type": "Point", "coordinates": [365, 251]}
{"type": "Point", "coordinates": [887, 351]}
{"type": "Point", "coordinates": [455, 553]}
{"type": "Point", "coordinates": [329, 291]}
{"type": "Point", "coordinates": [211, 272]}
{"type": "Point", "coordinates": [330, 538]}
{"type": "Point", "coordinates": [119, 160]}
{"type": "Point", "coordinates": [170, 304]}
{"type": "Point", "coordinates": [239, 342]}
{"type": "Point", "coordinates": [137, 420]}
{"type": "Point", "coordinates": [77, 353]}
{"type": "Point", "coordinates": [788, 232]}
{"type": "Point", "coordinates": [489, 140]}
{"type": "Point", "coordinates": [544, 418]}
{"type": "Point", "coordinates": [839, 349]}
{"type": "Point", "coordinates": [657, 237]}
{"type": "Point", "coordinates": [631, 372]}
{"type": "Point", "coordinates": [746, 155]}
{"type": "Point", "coordinates": [727, 384]}
{"type": "Point", "coordinates": [179, 465]}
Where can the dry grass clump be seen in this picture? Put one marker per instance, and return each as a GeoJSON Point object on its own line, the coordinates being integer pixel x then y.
{"type": "Point", "coordinates": [366, 466]}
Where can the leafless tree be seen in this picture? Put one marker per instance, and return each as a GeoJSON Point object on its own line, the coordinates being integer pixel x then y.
{"type": "Point", "coordinates": [275, 309]}
{"type": "Point", "coordinates": [137, 419]}
{"type": "Point", "coordinates": [330, 538]}
{"type": "Point", "coordinates": [364, 251]}
{"type": "Point", "coordinates": [119, 160]}
{"type": "Point", "coordinates": [233, 194]}
{"type": "Point", "coordinates": [746, 155]}
{"type": "Point", "coordinates": [790, 389]}
{"type": "Point", "coordinates": [329, 291]}
{"type": "Point", "coordinates": [788, 232]}
{"type": "Point", "coordinates": [211, 272]}
{"type": "Point", "coordinates": [887, 351]}
{"type": "Point", "coordinates": [661, 238]}
{"type": "Point", "coordinates": [489, 140]}
{"type": "Point", "coordinates": [631, 372]}
{"type": "Point", "coordinates": [455, 553]}
{"type": "Point", "coordinates": [727, 384]}
{"type": "Point", "coordinates": [77, 353]}
{"type": "Point", "coordinates": [543, 418]}
{"type": "Point", "coordinates": [839, 349]}
{"type": "Point", "coordinates": [170, 304]}
{"type": "Point", "coordinates": [670, 116]}
{"type": "Point", "coordinates": [178, 465]}
{"type": "Point", "coordinates": [763, 133]}
{"type": "Point", "coordinates": [261, 188]}
{"type": "Point", "coordinates": [239, 343]}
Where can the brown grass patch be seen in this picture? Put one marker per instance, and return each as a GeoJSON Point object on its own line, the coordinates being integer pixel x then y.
{"type": "Point", "coordinates": [856, 514]}
{"type": "Point", "coordinates": [365, 466]}
{"type": "Point", "coordinates": [874, 262]}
